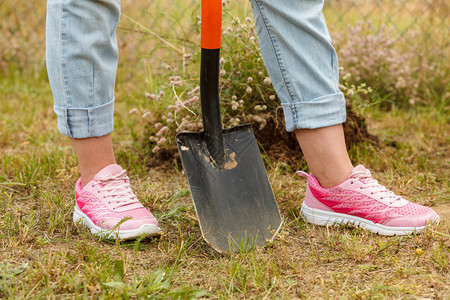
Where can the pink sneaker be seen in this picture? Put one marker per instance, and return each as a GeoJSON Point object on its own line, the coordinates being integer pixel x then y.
{"type": "Point", "coordinates": [107, 199]}
{"type": "Point", "coordinates": [362, 201]}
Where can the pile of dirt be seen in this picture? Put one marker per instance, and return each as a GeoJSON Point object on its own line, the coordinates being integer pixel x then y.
{"type": "Point", "coordinates": [282, 146]}
{"type": "Point", "coordinates": [278, 144]}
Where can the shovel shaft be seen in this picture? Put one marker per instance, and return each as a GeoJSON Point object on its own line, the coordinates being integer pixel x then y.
{"type": "Point", "coordinates": [209, 79]}
{"type": "Point", "coordinates": [209, 95]}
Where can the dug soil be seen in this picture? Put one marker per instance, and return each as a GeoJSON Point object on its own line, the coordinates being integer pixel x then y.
{"type": "Point", "coordinates": [280, 145]}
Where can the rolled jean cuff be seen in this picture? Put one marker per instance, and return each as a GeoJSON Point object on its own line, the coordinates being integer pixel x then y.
{"type": "Point", "coordinates": [80, 123]}
{"type": "Point", "coordinates": [320, 112]}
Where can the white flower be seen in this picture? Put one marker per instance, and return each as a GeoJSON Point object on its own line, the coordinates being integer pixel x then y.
{"type": "Point", "coordinates": [150, 96]}
{"type": "Point", "coordinates": [162, 131]}
{"type": "Point", "coordinates": [133, 111]}
{"type": "Point", "coordinates": [156, 149]}
{"type": "Point", "coordinates": [161, 142]}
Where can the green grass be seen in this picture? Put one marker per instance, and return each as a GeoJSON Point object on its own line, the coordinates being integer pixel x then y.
{"type": "Point", "coordinates": [44, 255]}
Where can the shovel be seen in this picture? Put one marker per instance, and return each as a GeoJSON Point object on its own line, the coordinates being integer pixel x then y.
{"type": "Point", "coordinates": [232, 195]}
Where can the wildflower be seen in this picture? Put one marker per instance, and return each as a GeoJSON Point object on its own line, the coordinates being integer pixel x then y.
{"type": "Point", "coordinates": [419, 251]}
{"type": "Point", "coordinates": [133, 111]}
{"type": "Point", "coordinates": [234, 98]}
{"type": "Point", "coordinates": [229, 29]}
{"type": "Point", "coordinates": [272, 97]}
{"type": "Point", "coordinates": [168, 67]}
{"type": "Point", "coordinates": [234, 107]}
{"type": "Point", "coordinates": [264, 107]}
{"type": "Point", "coordinates": [152, 139]}
{"type": "Point", "coordinates": [260, 73]}
{"type": "Point", "coordinates": [156, 149]}
{"type": "Point", "coordinates": [257, 107]}
{"type": "Point", "coordinates": [258, 119]}
{"type": "Point", "coordinates": [250, 79]}
{"type": "Point", "coordinates": [241, 102]}
{"type": "Point", "coordinates": [146, 115]}
{"type": "Point", "coordinates": [162, 131]}
{"type": "Point", "coordinates": [196, 89]}
{"type": "Point", "coordinates": [350, 92]}
{"type": "Point", "coordinates": [248, 19]}
{"type": "Point", "coordinates": [221, 61]}
{"type": "Point", "coordinates": [248, 90]}
{"type": "Point", "coordinates": [342, 87]}
{"type": "Point", "coordinates": [158, 125]}
{"type": "Point", "coordinates": [161, 142]}
{"type": "Point", "coordinates": [222, 72]}
{"type": "Point", "coordinates": [194, 99]}
{"type": "Point", "coordinates": [252, 38]}
{"type": "Point", "coordinates": [347, 76]}
{"type": "Point", "coordinates": [188, 56]}
{"type": "Point", "coordinates": [267, 81]}
{"type": "Point", "coordinates": [150, 96]}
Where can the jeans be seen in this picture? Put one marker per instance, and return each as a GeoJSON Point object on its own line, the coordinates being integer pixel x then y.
{"type": "Point", "coordinates": [82, 56]}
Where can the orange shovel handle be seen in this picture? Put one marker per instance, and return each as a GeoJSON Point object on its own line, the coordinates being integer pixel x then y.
{"type": "Point", "coordinates": [211, 24]}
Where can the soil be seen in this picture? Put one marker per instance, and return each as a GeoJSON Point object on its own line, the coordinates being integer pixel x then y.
{"type": "Point", "coordinates": [280, 145]}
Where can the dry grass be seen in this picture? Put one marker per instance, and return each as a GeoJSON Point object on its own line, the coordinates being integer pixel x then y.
{"type": "Point", "coordinates": [44, 255]}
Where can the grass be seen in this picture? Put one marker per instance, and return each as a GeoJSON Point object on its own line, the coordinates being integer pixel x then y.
{"type": "Point", "coordinates": [44, 255]}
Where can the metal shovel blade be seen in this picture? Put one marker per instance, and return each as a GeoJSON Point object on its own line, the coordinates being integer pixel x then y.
{"type": "Point", "coordinates": [235, 204]}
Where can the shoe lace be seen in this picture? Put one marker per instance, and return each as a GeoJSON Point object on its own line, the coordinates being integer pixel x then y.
{"type": "Point", "coordinates": [119, 189]}
{"type": "Point", "coordinates": [376, 188]}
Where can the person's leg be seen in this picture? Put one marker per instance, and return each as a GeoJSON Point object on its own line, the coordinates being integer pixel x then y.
{"type": "Point", "coordinates": [325, 152]}
{"type": "Point", "coordinates": [302, 64]}
{"type": "Point", "coordinates": [93, 155]}
{"type": "Point", "coordinates": [82, 56]}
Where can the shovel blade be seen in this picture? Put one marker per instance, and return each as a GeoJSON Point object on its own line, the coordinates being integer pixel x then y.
{"type": "Point", "coordinates": [235, 204]}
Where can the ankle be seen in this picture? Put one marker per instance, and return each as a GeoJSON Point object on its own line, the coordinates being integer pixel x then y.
{"type": "Point", "coordinates": [88, 172]}
{"type": "Point", "coordinates": [330, 179]}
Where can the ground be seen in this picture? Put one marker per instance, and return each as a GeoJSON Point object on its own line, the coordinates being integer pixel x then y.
{"type": "Point", "coordinates": [44, 255]}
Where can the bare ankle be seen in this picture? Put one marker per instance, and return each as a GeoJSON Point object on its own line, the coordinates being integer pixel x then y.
{"type": "Point", "coordinates": [331, 179]}
{"type": "Point", "coordinates": [93, 155]}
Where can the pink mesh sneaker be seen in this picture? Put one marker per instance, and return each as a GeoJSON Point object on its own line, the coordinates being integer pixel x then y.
{"type": "Point", "coordinates": [107, 199]}
{"type": "Point", "coordinates": [362, 201]}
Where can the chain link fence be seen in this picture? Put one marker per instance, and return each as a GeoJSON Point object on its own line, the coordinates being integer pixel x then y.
{"type": "Point", "coordinates": [22, 23]}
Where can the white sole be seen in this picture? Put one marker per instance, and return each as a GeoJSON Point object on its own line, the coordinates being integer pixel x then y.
{"type": "Point", "coordinates": [146, 229]}
{"type": "Point", "coordinates": [324, 218]}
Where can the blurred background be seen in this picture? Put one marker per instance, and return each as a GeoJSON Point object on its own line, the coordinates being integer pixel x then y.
{"type": "Point", "coordinates": [414, 23]}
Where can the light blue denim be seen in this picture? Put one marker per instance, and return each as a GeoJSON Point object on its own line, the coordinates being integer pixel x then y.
{"type": "Point", "coordinates": [82, 56]}
{"type": "Point", "coordinates": [302, 63]}
{"type": "Point", "coordinates": [296, 47]}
